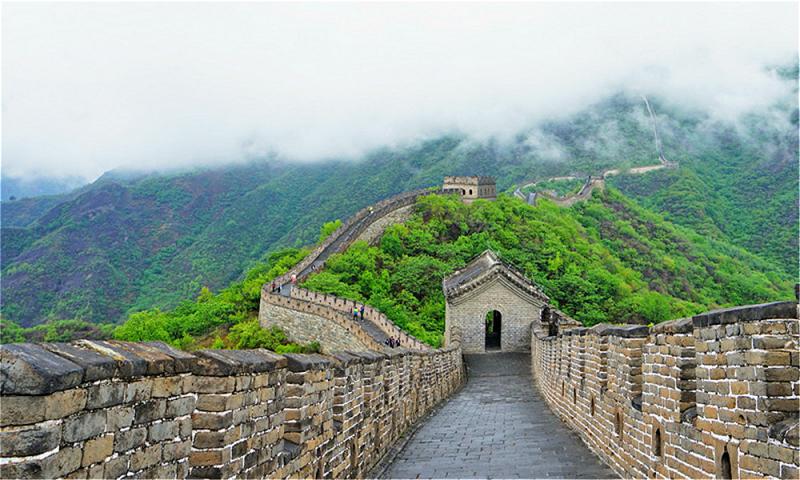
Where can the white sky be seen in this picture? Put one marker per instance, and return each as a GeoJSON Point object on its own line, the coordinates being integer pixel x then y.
{"type": "Point", "coordinates": [90, 87]}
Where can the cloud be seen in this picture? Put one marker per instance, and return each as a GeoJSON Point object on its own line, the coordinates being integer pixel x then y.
{"type": "Point", "coordinates": [90, 87]}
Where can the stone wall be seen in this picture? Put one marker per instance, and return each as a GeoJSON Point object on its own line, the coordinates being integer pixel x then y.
{"type": "Point", "coordinates": [116, 409]}
{"type": "Point", "coordinates": [305, 323]}
{"type": "Point", "coordinates": [716, 395]}
{"type": "Point", "coordinates": [345, 306]}
{"type": "Point", "coordinates": [374, 231]}
{"type": "Point", "coordinates": [353, 227]}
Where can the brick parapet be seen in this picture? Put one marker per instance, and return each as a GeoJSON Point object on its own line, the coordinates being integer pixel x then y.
{"type": "Point", "coordinates": [115, 409]}
{"type": "Point", "coordinates": [345, 306]}
{"type": "Point", "coordinates": [689, 398]}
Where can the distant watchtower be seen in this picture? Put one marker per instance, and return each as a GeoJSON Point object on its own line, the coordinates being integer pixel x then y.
{"type": "Point", "coordinates": [471, 188]}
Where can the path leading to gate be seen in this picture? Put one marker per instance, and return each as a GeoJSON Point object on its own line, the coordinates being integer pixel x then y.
{"type": "Point", "coordinates": [497, 426]}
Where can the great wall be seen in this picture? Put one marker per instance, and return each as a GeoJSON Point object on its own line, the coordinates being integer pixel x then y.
{"type": "Point", "coordinates": [716, 395]}
{"type": "Point", "coordinates": [595, 182]}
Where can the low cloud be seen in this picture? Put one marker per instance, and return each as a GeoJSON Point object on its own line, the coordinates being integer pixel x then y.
{"type": "Point", "coordinates": [91, 87]}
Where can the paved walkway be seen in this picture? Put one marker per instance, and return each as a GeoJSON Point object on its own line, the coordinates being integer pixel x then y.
{"type": "Point", "coordinates": [497, 426]}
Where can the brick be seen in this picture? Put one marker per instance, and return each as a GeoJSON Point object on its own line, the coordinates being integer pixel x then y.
{"type": "Point", "coordinates": [167, 387]}
{"type": "Point", "coordinates": [65, 403]}
{"type": "Point", "coordinates": [29, 440]}
{"type": "Point", "coordinates": [145, 457]}
{"type": "Point", "coordinates": [21, 410]}
{"type": "Point", "coordinates": [211, 421]}
{"type": "Point", "coordinates": [118, 418]}
{"type": "Point", "coordinates": [98, 449]}
{"type": "Point", "coordinates": [162, 431]}
{"type": "Point", "coordinates": [179, 407]}
{"type": "Point", "coordinates": [130, 439]}
{"type": "Point", "coordinates": [149, 411]}
{"type": "Point", "coordinates": [105, 395]}
{"type": "Point", "coordinates": [85, 425]}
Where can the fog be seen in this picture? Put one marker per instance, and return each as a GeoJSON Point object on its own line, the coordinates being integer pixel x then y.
{"type": "Point", "coordinates": [91, 87]}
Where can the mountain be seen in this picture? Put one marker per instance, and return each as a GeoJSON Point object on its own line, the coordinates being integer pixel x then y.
{"type": "Point", "coordinates": [604, 260]}
{"type": "Point", "coordinates": [124, 244]}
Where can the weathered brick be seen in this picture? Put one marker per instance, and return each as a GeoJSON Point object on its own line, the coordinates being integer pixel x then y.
{"type": "Point", "coordinates": [85, 425]}
{"type": "Point", "coordinates": [167, 387]}
{"type": "Point", "coordinates": [179, 407]}
{"type": "Point", "coordinates": [145, 457]}
{"type": "Point", "coordinates": [30, 439]}
{"type": "Point", "coordinates": [161, 431]}
{"type": "Point", "coordinates": [105, 395]}
{"type": "Point", "coordinates": [21, 410]}
{"type": "Point", "coordinates": [130, 439]}
{"type": "Point", "coordinates": [63, 404]}
{"type": "Point", "coordinates": [98, 449]}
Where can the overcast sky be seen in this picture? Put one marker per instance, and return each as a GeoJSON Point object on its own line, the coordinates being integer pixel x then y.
{"type": "Point", "coordinates": [91, 87]}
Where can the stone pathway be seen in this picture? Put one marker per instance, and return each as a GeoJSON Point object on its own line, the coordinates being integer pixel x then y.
{"type": "Point", "coordinates": [497, 426]}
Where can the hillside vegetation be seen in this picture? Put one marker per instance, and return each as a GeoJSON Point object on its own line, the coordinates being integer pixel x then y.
{"type": "Point", "coordinates": [128, 243]}
{"type": "Point", "coordinates": [605, 260]}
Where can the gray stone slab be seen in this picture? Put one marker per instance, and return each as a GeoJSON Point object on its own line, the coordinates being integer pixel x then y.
{"type": "Point", "coordinates": [497, 426]}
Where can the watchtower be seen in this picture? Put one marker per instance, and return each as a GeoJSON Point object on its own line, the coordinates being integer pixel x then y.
{"type": "Point", "coordinates": [471, 188]}
{"type": "Point", "coordinates": [490, 305]}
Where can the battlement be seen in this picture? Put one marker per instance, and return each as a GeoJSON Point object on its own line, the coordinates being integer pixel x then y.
{"type": "Point", "coordinates": [112, 409]}
{"type": "Point", "coordinates": [715, 395]}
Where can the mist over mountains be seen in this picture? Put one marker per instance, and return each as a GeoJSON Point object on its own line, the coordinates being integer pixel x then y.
{"type": "Point", "coordinates": [131, 242]}
{"type": "Point", "coordinates": [95, 87]}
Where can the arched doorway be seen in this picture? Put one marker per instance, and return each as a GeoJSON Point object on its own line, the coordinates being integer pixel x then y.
{"type": "Point", "coordinates": [494, 325]}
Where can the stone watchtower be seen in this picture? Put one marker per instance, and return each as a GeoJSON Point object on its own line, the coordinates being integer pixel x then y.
{"type": "Point", "coordinates": [471, 188]}
{"type": "Point", "coordinates": [491, 305]}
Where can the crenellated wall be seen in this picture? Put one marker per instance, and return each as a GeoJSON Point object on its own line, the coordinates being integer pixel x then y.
{"type": "Point", "coordinates": [710, 396]}
{"type": "Point", "coordinates": [145, 410]}
{"type": "Point", "coordinates": [344, 306]}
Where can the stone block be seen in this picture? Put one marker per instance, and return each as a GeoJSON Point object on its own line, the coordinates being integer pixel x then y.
{"type": "Point", "coordinates": [205, 384]}
{"type": "Point", "coordinates": [211, 421]}
{"type": "Point", "coordinates": [145, 457]}
{"type": "Point", "coordinates": [167, 386]}
{"type": "Point", "coordinates": [118, 418]}
{"type": "Point", "coordinates": [149, 411]}
{"type": "Point", "coordinates": [27, 369]}
{"type": "Point", "coordinates": [60, 464]}
{"type": "Point", "coordinates": [176, 451]}
{"type": "Point", "coordinates": [65, 403]}
{"type": "Point", "coordinates": [85, 425]}
{"type": "Point", "coordinates": [96, 366]}
{"type": "Point", "coordinates": [98, 449]}
{"type": "Point", "coordinates": [130, 439]}
{"type": "Point", "coordinates": [162, 431]}
{"type": "Point", "coordinates": [21, 410]}
{"type": "Point", "coordinates": [138, 391]}
{"type": "Point", "coordinates": [105, 395]}
{"type": "Point", "coordinates": [179, 407]}
{"type": "Point", "coordinates": [29, 440]}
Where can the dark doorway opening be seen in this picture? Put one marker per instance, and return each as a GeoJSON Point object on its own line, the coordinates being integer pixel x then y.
{"type": "Point", "coordinates": [493, 328]}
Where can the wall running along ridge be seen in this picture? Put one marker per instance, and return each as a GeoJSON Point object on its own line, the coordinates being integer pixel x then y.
{"type": "Point", "coordinates": [713, 396]}
{"type": "Point", "coordinates": [117, 409]}
{"type": "Point", "coordinates": [308, 316]}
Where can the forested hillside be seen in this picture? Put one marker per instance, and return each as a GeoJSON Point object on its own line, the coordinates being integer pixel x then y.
{"type": "Point", "coordinates": [605, 260]}
{"type": "Point", "coordinates": [125, 244]}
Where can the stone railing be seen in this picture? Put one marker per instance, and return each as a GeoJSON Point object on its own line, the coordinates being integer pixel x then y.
{"type": "Point", "coordinates": [114, 409]}
{"type": "Point", "coordinates": [716, 395]}
{"type": "Point", "coordinates": [374, 315]}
